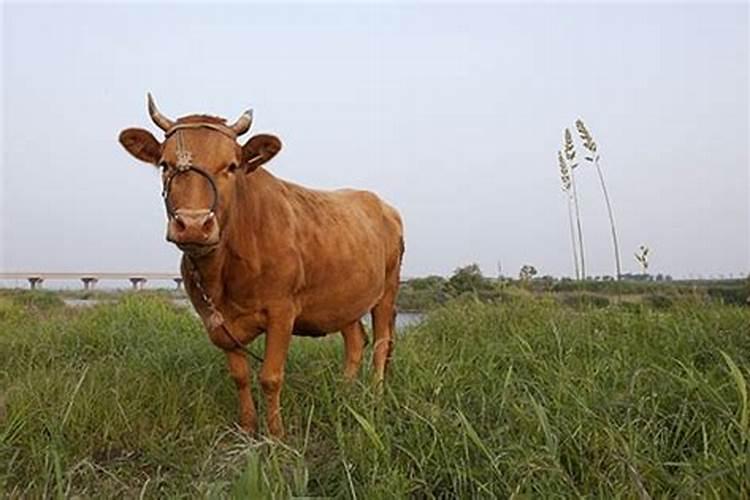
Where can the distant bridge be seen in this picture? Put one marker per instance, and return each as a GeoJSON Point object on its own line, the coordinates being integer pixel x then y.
{"type": "Point", "coordinates": [89, 280]}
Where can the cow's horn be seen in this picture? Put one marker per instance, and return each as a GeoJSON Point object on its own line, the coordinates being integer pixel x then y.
{"type": "Point", "coordinates": [160, 120]}
{"type": "Point", "coordinates": [242, 125]}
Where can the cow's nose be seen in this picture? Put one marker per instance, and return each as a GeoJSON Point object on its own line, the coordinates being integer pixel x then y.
{"type": "Point", "coordinates": [192, 226]}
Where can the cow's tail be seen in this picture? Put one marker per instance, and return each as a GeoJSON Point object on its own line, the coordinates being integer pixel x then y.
{"type": "Point", "coordinates": [403, 249]}
{"type": "Point", "coordinates": [400, 263]}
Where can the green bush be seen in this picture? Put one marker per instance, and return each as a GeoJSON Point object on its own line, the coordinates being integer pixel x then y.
{"type": "Point", "coordinates": [736, 295]}
{"type": "Point", "coordinates": [40, 300]}
{"type": "Point", "coordinates": [583, 300]}
{"type": "Point", "coordinates": [658, 301]}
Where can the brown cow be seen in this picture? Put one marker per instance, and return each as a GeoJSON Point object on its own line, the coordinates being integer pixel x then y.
{"type": "Point", "coordinates": [262, 255]}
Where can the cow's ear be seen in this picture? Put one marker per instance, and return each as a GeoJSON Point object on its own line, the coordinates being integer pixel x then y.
{"type": "Point", "coordinates": [141, 144]}
{"type": "Point", "coordinates": [258, 150]}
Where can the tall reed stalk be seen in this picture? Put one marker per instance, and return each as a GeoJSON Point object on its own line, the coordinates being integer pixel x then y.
{"type": "Point", "coordinates": [566, 187]}
{"type": "Point", "coordinates": [593, 157]}
{"type": "Point", "coordinates": [570, 155]}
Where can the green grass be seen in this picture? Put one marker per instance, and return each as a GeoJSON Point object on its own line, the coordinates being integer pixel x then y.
{"type": "Point", "coordinates": [528, 398]}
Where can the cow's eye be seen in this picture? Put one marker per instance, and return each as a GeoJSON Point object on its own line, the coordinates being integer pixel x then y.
{"type": "Point", "coordinates": [232, 168]}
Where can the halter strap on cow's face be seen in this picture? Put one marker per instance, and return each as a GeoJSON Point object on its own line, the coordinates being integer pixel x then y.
{"type": "Point", "coordinates": [213, 126]}
{"type": "Point", "coordinates": [184, 165]}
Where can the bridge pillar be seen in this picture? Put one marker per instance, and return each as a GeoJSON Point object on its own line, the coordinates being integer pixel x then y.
{"type": "Point", "coordinates": [178, 282]}
{"type": "Point", "coordinates": [35, 282]}
{"type": "Point", "coordinates": [137, 282]}
{"type": "Point", "coordinates": [89, 282]}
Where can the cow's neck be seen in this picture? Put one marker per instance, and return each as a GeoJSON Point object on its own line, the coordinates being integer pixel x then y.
{"type": "Point", "coordinates": [207, 270]}
{"type": "Point", "coordinates": [254, 220]}
{"type": "Point", "coordinates": [241, 241]}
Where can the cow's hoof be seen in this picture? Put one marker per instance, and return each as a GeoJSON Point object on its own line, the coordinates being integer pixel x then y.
{"type": "Point", "coordinates": [276, 430]}
{"type": "Point", "coordinates": [249, 426]}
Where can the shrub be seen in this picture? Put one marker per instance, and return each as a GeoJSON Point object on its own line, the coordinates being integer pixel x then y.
{"type": "Point", "coordinates": [40, 300]}
{"type": "Point", "coordinates": [584, 300]}
{"type": "Point", "coordinates": [658, 301]}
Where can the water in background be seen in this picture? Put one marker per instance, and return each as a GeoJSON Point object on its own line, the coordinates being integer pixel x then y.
{"type": "Point", "coordinates": [403, 319]}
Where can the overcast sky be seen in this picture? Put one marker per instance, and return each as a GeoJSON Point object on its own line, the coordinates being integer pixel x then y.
{"type": "Point", "coordinates": [453, 114]}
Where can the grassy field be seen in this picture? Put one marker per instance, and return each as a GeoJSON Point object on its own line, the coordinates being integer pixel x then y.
{"type": "Point", "coordinates": [530, 397]}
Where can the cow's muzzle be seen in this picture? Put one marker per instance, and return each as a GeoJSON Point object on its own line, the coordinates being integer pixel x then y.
{"type": "Point", "coordinates": [193, 231]}
{"type": "Point", "coordinates": [193, 228]}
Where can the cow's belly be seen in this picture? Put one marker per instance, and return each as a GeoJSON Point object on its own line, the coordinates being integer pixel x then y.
{"type": "Point", "coordinates": [343, 281]}
{"type": "Point", "coordinates": [329, 308]}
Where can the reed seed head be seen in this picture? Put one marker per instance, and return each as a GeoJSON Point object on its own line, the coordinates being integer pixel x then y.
{"type": "Point", "coordinates": [569, 146]}
{"type": "Point", "coordinates": [642, 256]}
{"type": "Point", "coordinates": [564, 172]}
{"type": "Point", "coordinates": [585, 135]}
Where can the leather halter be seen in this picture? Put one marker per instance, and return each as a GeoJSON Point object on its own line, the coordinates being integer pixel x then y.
{"type": "Point", "coordinates": [185, 163]}
{"type": "Point", "coordinates": [213, 126]}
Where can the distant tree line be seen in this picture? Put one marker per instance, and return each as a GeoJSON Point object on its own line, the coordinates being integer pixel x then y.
{"type": "Point", "coordinates": [468, 282]}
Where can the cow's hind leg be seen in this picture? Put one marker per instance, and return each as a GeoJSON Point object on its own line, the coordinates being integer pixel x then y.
{"type": "Point", "coordinates": [384, 318]}
{"type": "Point", "coordinates": [383, 326]}
{"type": "Point", "coordinates": [355, 340]}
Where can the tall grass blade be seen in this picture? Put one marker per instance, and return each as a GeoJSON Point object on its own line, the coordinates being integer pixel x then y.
{"type": "Point", "coordinates": [549, 437]}
{"type": "Point", "coordinates": [368, 428]}
{"type": "Point", "coordinates": [73, 397]}
{"type": "Point", "coordinates": [474, 437]}
{"type": "Point", "coordinates": [741, 386]}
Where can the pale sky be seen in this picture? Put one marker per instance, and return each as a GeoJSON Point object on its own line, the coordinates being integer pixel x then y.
{"type": "Point", "coordinates": [452, 113]}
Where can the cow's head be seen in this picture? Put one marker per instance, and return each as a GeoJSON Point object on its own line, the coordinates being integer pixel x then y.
{"type": "Point", "coordinates": [200, 161]}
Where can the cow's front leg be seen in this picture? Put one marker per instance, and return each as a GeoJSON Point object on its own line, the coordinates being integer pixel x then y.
{"type": "Point", "coordinates": [240, 372]}
{"type": "Point", "coordinates": [278, 336]}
